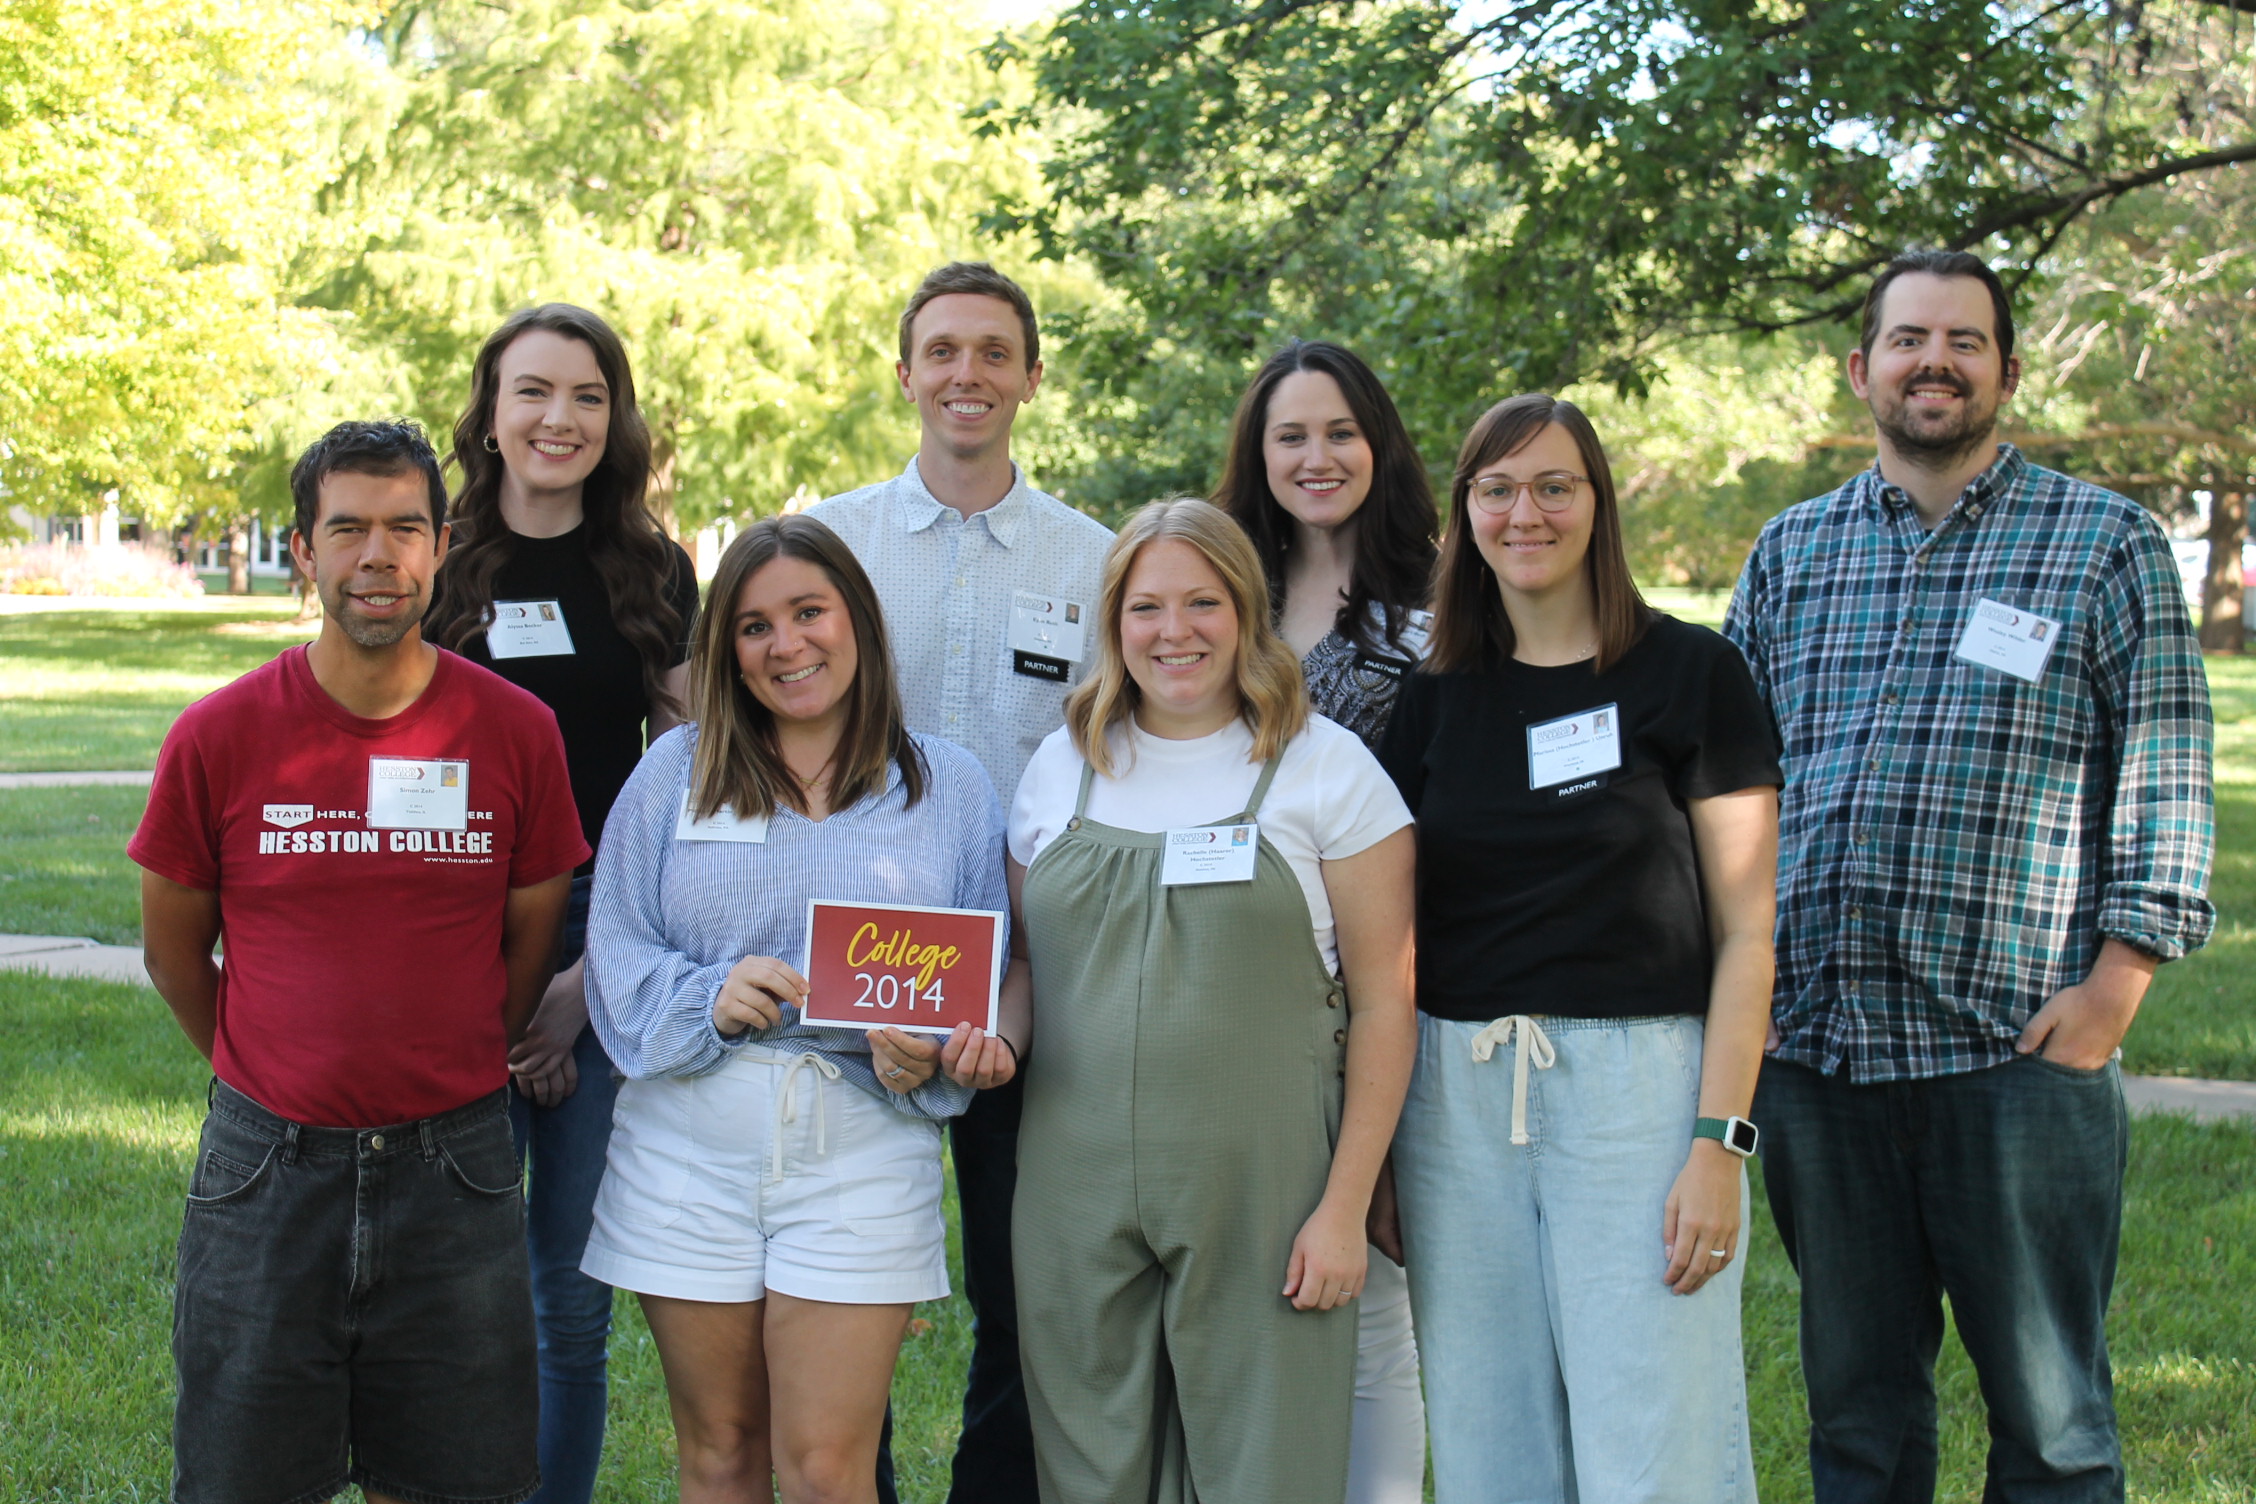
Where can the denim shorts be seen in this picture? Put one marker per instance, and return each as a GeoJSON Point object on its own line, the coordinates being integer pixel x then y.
{"type": "Point", "coordinates": [352, 1305]}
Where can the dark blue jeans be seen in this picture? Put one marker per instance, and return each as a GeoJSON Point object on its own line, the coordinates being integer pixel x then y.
{"type": "Point", "coordinates": [994, 1462]}
{"type": "Point", "coordinates": [351, 1304]}
{"type": "Point", "coordinates": [2001, 1189]}
{"type": "Point", "coordinates": [564, 1146]}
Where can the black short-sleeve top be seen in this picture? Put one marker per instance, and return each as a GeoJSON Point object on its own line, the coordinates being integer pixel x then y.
{"type": "Point", "coordinates": [596, 690]}
{"type": "Point", "coordinates": [1580, 897]}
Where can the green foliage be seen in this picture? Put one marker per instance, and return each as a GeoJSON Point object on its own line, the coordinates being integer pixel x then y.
{"type": "Point", "coordinates": [1535, 194]}
{"type": "Point", "coordinates": [156, 163]}
{"type": "Point", "coordinates": [748, 192]}
{"type": "Point", "coordinates": [1724, 438]}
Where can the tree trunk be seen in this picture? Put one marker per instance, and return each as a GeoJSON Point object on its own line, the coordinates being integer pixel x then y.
{"type": "Point", "coordinates": [239, 559]}
{"type": "Point", "coordinates": [660, 494]}
{"type": "Point", "coordinates": [2221, 627]}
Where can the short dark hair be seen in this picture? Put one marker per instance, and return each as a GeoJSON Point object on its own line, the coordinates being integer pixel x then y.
{"type": "Point", "coordinates": [396, 447]}
{"type": "Point", "coordinates": [1939, 264]}
{"type": "Point", "coordinates": [973, 277]}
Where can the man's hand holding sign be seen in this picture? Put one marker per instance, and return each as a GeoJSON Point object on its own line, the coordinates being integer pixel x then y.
{"type": "Point", "coordinates": [925, 984]}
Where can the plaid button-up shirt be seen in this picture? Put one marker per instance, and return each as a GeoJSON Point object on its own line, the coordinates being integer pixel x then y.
{"type": "Point", "coordinates": [1955, 843]}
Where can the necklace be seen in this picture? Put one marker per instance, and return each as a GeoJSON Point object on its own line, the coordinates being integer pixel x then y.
{"type": "Point", "coordinates": [815, 780]}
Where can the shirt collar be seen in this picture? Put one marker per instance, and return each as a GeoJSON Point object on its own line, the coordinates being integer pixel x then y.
{"type": "Point", "coordinates": [1988, 488]}
{"type": "Point", "coordinates": [921, 509]}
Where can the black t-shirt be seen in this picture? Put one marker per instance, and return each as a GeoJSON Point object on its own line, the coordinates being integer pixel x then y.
{"type": "Point", "coordinates": [1582, 898]}
{"type": "Point", "coordinates": [596, 689]}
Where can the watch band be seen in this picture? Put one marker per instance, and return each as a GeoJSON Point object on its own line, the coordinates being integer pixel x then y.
{"type": "Point", "coordinates": [1737, 1135]}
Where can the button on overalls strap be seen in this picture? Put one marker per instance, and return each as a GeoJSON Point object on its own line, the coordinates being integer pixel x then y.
{"type": "Point", "coordinates": [1181, 1106]}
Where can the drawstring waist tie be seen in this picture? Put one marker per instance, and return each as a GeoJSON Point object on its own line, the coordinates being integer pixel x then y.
{"type": "Point", "coordinates": [1529, 1042]}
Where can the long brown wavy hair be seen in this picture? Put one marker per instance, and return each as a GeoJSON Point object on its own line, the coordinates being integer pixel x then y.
{"type": "Point", "coordinates": [739, 760]}
{"type": "Point", "coordinates": [634, 559]}
{"type": "Point", "coordinates": [1394, 528]}
{"type": "Point", "coordinates": [1272, 696]}
{"type": "Point", "coordinates": [1471, 630]}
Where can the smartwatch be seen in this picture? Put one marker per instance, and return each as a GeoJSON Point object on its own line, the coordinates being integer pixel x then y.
{"type": "Point", "coordinates": [1736, 1134]}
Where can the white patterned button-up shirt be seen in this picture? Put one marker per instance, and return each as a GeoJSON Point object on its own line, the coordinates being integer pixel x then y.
{"type": "Point", "coordinates": [946, 582]}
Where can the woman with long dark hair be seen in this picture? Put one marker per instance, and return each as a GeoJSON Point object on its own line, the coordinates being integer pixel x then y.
{"type": "Point", "coordinates": [1596, 787]}
{"type": "Point", "coordinates": [560, 581]}
{"type": "Point", "coordinates": [773, 1188]}
{"type": "Point", "coordinates": [1323, 477]}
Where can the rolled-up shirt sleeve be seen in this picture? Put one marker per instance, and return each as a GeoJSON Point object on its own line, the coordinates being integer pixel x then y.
{"type": "Point", "coordinates": [651, 1005]}
{"type": "Point", "coordinates": [2154, 693]}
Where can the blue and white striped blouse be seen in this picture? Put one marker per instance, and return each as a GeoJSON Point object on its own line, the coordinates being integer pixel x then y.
{"type": "Point", "coordinates": [669, 918]}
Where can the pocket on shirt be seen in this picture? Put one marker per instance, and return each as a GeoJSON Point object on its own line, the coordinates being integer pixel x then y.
{"type": "Point", "coordinates": [1032, 708]}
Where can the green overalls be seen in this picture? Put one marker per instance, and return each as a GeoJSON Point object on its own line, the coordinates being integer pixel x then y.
{"type": "Point", "coordinates": [1181, 1107]}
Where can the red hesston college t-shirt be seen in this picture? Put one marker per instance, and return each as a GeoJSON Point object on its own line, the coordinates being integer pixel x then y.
{"type": "Point", "coordinates": [362, 981]}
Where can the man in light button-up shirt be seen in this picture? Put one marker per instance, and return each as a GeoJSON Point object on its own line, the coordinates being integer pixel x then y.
{"type": "Point", "coordinates": [989, 588]}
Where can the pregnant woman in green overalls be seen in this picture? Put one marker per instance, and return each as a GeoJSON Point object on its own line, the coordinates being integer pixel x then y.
{"type": "Point", "coordinates": [1214, 887]}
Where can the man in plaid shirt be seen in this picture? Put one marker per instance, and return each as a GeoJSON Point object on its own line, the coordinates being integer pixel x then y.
{"type": "Point", "coordinates": [1996, 823]}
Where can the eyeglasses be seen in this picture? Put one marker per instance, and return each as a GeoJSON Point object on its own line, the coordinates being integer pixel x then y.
{"type": "Point", "coordinates": [1554, 491]}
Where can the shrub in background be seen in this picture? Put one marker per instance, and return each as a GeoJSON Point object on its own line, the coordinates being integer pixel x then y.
{"type": "Point", "coordinates": [122, 569]}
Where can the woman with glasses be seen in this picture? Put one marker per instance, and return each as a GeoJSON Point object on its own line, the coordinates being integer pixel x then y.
{"type": "Point", "coordinates": [1596, 792]}
{"type": "Point", "coordinates": [1323, 477]}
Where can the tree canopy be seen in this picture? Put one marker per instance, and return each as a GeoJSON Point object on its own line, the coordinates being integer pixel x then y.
{"type": "Point", "coordinates": [746, 191]}
{"type": "Point", "coordinates": [154, 186]}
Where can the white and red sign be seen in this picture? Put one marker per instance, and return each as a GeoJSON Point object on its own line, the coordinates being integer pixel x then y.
{"type": "Point", "coordinates": [879, 965]}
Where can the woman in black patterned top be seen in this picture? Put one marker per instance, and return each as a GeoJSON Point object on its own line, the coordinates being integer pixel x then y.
{"type": "Point", "coordinates": [1323, 476]}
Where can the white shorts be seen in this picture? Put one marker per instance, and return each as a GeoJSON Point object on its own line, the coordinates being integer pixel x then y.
{"type": "Point", "coordinates": [769, 1174]}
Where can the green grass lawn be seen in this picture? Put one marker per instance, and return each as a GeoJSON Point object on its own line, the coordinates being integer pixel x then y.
{"type": "Point", "coordinates": [100, 1100]}
{"type": "Point", "coordinates": [98, 689]}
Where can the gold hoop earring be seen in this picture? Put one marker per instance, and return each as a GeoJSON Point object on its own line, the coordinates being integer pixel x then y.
{"type": "Point", "coordinates": [491, 446]}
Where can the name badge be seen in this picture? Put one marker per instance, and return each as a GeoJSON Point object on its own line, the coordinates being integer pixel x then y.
{"type": "Point", "coordinates": [723, 824]}
{"type": "Point", "coordinates": [528, 629]}
{"type": "Point", "coordinates": [2008, 639]}
{"type": "Point", "coordinates": [1209, 854]}
{"type": "Point", "coordinates": [1574, 746]}
{"type": "Point", "coordinates": [413, 793]}
{"type": "Point", "coordinates": [1046, 635]}
{"type": "Point", "coordinates": [1390, 669]}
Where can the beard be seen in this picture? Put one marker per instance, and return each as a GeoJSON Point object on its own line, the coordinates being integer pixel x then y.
{"type": "Point", "coordinates": [1940, 441]}
{"type": "Point", "coordinates": [365, 632]}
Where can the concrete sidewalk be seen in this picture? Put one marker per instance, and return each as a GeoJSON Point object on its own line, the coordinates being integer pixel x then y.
{"type": "Point", "coordinates": [71, 780]}
{"type": "Point", "coordinates": [73, 956]}
{"type": "Point", "coordinates": [2203, 1101]}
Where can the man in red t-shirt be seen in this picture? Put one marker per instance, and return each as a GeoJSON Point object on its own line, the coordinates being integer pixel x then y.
{"type": "Point", "coordinates": [382, 835]}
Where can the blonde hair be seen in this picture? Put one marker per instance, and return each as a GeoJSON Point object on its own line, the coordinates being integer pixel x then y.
{"type": "Point", "coordinates": [739, 761]}
{"type": "Point", "coordinates": [1272, 697]}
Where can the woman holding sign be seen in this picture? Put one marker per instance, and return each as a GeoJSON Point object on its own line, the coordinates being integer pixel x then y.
{"type": "Point", "coordinates": [1596, 788]}
{"type": "Point", "coordinates": [1215, 889]}
{"type": "Point", "coordinates": [773, 1190]}
{"type": "Point", "coordinates": [559, 581]}
{"type": "Point", "coordinates": [1324, 479]}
